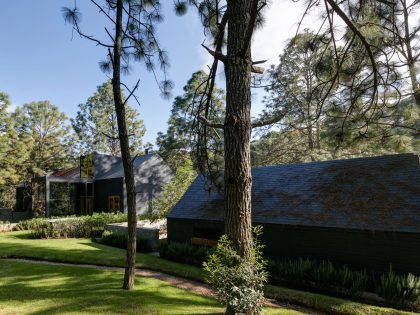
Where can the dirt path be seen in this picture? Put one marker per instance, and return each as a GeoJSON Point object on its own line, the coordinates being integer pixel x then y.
{"type": "Point", "coordinates": [182, 283]}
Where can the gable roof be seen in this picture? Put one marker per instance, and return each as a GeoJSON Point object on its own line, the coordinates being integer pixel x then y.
{"type": "Point", "coordinates": [376, 193]}
{"type": "Point", "coordinates": [73, 172]}
{"type": "Point", "coordinates": [107, 167]}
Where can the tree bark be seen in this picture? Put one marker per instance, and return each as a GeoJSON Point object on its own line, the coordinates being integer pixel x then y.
{"type": "Point", "coordinates": [237, 135]}
{"type": "Point", "coordinates": [129, 275]}
{"type": "Point", "coordinates": [410, 59]}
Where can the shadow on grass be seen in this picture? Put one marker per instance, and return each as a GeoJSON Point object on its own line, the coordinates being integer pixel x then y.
{"type": "Point", "coordinates": [42, 289]}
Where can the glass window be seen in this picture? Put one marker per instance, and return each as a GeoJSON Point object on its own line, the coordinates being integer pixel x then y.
{"type": "Point", "coordinates": [114, 203]}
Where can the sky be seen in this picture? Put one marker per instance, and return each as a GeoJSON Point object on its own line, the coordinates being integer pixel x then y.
{"type": "Point", "coordinates": [41, 59]}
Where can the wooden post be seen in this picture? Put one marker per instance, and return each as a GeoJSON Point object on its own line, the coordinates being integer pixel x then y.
{"type": "Point", "coordinates": [47, 196]}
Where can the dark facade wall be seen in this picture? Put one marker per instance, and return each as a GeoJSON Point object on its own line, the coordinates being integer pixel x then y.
{"type": "Point", "coordinates": [23, 199]}
{"type": "Point", "coordinates": [105, 188]}
{"type": "Point", "coordinates": [374, 251]}
{"type": "Point", "coordinates": [181, 231]}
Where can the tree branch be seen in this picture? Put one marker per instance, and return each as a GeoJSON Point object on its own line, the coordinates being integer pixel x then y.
{"type": "Point", "coordinates": [269, 121]}
{"type": "Point", "coordinates": [209, 123]}
{"type": "Point", "coordinates": [216, 54]}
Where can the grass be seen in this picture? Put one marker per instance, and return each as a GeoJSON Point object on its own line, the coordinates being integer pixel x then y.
{"type": "Point", "coordinates": [88, 252]}
{"type": "Point", "coordinates": [41, 289]}
{"type": "Point", "coordinates": [81, 250]}
{"type": "Point", "coordinates": [328, 304]}
{"type": "Point", "coordinates": [27, 288]}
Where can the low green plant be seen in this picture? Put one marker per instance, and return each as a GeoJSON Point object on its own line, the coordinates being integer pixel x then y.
{"type": "Point", "coordinates": [30, 224]}
{"type": "Point", "coordinates": [119, 240]}
{"type": "Point", "coordinates": [238, 281]}
{"type": "Point", "coordinates": [399, 289]}
{"type": "Point", "coordinates": [84, 226]}
{"type": "Point", "coordinates": [184, 253]}
{"type": "Point", "coordinates": [313, 274]}
{"type": "Point", "coordinates": [4, 222]}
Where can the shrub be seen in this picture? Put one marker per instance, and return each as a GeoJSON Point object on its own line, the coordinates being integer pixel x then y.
{"type": "Point", "coordinates": [85, 226]}
{"type": "Point", "coordinates": [398, 289]}
{"type": "Point", "coordinates": [238, 281]}
{"type": "Point", "coordinates": [184, 253]}
{"type": "Point", "coordinates": [309, 273]}
{"type": "Point", "coordinates": [30, 224]}
{"type": "Point", "coordinates": [120, 240]}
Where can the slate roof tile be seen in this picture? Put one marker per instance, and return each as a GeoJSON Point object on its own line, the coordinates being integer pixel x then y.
{"type": "Point", "coordinates": [376, 193]}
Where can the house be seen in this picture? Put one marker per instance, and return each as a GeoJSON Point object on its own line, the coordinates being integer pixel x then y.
{"type": "Point", "coordinates": [97, 184]}
{"type": "Point", "coordinates": [363, 212]}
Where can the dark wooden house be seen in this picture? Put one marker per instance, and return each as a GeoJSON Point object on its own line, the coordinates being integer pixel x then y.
{"type": "Point", "coordinates": [363, 212]}
{"type": "Point", "coordinates": [96, 185]}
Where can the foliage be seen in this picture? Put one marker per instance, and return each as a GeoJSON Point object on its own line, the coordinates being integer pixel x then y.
{"type": "Point", "coordinates": [172, 191]}
{"type": "Point", "coordinates": [238, 281]}
{"type": "Point", "coordinates": [184, 253]}
{"type": "Point", "coordinates": [180, 139]}
{"type": "Point", "coordinates": [85, 226]}
{"type": "Point", "coordinates": [317, 126]}
{"type": "Point", "coordinates": [14, 155]}
{"type": "Point", "coordinates": [319, 275]}
{"type": "Point", "coordinates": [47, 134]}
{"type": "Point", "coordinates": [398, 289]}
{"type": "Point", "coordinates": [96, 124]}
{"type": "Point", "coordinates": [120, 240]}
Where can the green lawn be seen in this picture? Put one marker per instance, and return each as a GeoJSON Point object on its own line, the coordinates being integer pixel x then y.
{"type": "Point", "coordinates": [85, 251]}
{"type": "Point", "coordinates": [27, 288]}
{"type": "Point", "coordinates": [88, 252]}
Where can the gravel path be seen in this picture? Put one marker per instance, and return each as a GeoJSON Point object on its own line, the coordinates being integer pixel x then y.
{"type": "Point", "coordinates": [182, 283]}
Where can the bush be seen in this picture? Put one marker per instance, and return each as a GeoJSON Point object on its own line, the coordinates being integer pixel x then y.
{"type": "Point", "coordinates": [238, 281]}
{"type": "Point", "coordinates": [119, 240]}
{"type": "Point", "coordinates": [399, 290]}
{"type": "Point", "coordinates": [85, 226]}
{"type": "Point", "coordinates": [308, 273]}
{"type": "Point", "coordinates": [184, 253]}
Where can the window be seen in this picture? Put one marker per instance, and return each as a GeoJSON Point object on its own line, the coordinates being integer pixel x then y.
{"type": "Point", "coordinates": [87, 166]}
{"type": "Point", "coordinates": [114, 203]}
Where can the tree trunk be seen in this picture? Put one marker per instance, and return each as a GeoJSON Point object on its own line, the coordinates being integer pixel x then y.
{"type": "Point", "coordinates": [410, 59]}
{"type": "Point", "coordinates": [237, 135]}
{"type": "Point", "coordinates": [129, 274]}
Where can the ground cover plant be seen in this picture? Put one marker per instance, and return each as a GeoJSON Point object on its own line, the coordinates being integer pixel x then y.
{"type": "Point", "coordinates": [83, 226]}
{"type": "Point", "coordinates": [184, 253]}
{"type": "Point", "coordinates": [119, 240]}
{"type": "Point", "coordinates": [316, 276]}
{"type": "Point", "coordinates": [324, 275]}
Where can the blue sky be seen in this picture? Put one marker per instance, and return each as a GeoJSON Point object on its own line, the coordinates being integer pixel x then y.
{"type": "Point", "coordinates": [41, 60]}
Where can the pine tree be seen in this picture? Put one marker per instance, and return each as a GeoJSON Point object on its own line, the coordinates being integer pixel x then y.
{"type": "Point", "coordinates": [134, 39]}
{"type": "Point", "coordinates": [180, 139]}
{"type": "Point", "coordinates": [47, 136]}
{"type": "Point", "coordinates": [96, 124]}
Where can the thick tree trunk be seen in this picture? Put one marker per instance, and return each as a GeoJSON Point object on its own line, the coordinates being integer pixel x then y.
{"type": "Point", "coordinates": [410, 59]}
{"type": "Point", "coordinates": [238, 180]}
{"type": "Point", "coordinates": [129, 274]}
